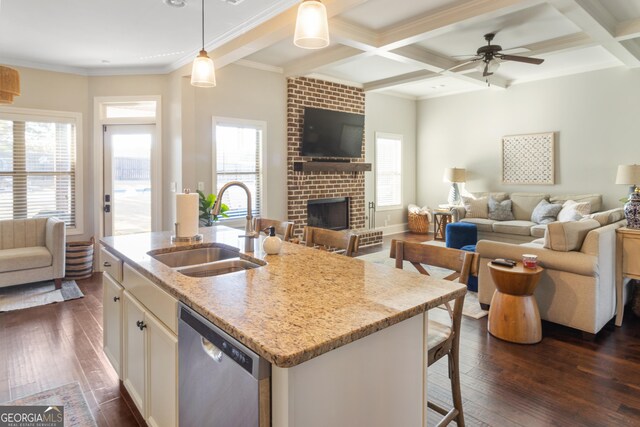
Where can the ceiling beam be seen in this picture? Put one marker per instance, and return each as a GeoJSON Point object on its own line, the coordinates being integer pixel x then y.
{"type": "Point", "coordinates": [626, 30]}
{"type": "Point", "coordinates": [412, 77]}
{"type": "Point", "coordinates": [597, 22]}
{"type": "Point", "coordinates": [417, 56]}
{"type": "Point", "coordinates": [332, 56]}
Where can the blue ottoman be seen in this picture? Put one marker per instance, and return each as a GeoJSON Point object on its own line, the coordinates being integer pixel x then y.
{"type": "Point", "coordinates": [459, 234]}
{"type": "Point", "coordinates": [472, 283]}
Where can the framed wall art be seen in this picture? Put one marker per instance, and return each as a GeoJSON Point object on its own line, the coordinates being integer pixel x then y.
{"type": "Point", "coordinates": [528, 159]}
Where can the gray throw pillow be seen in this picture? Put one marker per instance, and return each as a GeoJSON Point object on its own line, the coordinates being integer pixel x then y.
{"type": "Point", "coordinates": [545, 212]}
{"type": "Point", "coordinates": [500, 211]}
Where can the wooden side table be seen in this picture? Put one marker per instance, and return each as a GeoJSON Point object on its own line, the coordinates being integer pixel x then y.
{"type": "Point", "coordinates": [514, 314]}
{"type": "Point", "coordinates": [440, 221]}
{"type": "Point", "coordinates": [627, 264]}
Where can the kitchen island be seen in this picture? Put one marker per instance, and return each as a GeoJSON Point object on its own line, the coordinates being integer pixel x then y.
{"type": "Point", "coordinates": [346, 338]}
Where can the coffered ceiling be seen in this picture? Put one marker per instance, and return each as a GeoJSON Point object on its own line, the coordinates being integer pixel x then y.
{"type": "Point", "coordinates": [405, 47]}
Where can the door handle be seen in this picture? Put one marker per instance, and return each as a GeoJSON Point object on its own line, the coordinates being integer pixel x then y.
{"type": "Point", "coordinates": [116, 299]}
{"type": "Point", "coordinates": [141, 325]}
{"type": "Point", "coordinates": [107, 264]}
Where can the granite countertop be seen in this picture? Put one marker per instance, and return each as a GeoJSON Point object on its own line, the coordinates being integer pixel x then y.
{"type": "Point", "coordinates": [303, 303]}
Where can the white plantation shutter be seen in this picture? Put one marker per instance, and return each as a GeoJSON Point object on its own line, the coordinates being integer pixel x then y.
{"type": "Point", "coordinates": [238, 158]}
{"type": "Point", "coordinates": [388, 168]}
{"type": "Point", "coordinates": [38, 167]}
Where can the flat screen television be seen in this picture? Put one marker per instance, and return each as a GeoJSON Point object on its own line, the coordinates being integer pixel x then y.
{"type": "Point", "coordinates": [330, 133]}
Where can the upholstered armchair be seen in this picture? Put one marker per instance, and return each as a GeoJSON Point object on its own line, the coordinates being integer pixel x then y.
{"type": "Point", "coordinates": [32, 250]}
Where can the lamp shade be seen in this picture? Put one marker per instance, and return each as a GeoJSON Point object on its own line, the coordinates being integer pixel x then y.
{"type": "Point", "coordinates": [455, 175]}
{"type": "Point", "coordinates": [312, 29]}
{"type": "Point", "coordinates": [9, 84]}
{"type": "Point", "coordinates": [203, 73]}
{"type": "Point", "coordinates": [628, 174]}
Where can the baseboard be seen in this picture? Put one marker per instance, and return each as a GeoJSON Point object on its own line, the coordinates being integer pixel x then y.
{"type": "Point", "coordinates": [393, 229]}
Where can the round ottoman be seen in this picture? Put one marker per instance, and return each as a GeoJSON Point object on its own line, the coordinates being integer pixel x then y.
{"type": "Point", "coordinates": [459, 234]}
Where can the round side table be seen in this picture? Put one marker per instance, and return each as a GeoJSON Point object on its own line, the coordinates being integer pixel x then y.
{"type": "Point", "coordinates": [514, 314]}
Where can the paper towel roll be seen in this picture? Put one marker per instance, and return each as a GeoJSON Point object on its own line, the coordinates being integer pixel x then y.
{"type": "Point", "coordinates": [187, 213]}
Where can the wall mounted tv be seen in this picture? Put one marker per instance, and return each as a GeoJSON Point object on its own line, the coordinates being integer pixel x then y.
{"type": "Point", "coordinates": [330, 133]}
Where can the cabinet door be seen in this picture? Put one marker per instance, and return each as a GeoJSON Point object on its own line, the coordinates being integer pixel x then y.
{"type": "Point", "coordinates": [162, 374]}
{"type": "Point", "coordinates": [112, 322]}
{"type": "Point", "coordinates": [134, 351]}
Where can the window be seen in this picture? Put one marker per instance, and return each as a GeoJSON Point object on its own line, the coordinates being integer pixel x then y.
{"type": "Point", "coordinates": [137, 109]}
{"type": "Point", "coordinates": [38, 169]}
{"type": "Point", "coordinates": [238, 157]}
{"type": "Point", "coordinates": [388, 170]}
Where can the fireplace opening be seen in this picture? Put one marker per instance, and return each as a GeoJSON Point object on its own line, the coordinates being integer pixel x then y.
{"type": "Point", "coordinates": [328, 213]}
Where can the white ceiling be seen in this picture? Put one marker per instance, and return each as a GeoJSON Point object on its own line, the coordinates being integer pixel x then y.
{"type": "Point", "coordinates": [404, 47]}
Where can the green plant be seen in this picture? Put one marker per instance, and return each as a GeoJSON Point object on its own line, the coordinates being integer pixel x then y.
{"type": "Point", "coordinates": [206, 204]}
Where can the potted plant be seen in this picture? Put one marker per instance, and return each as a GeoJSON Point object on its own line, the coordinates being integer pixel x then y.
{"type": "Point", "coordinates": [206, 204]}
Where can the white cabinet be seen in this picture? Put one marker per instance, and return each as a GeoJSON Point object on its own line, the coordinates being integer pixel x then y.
{"type": "Point", "coordinates": [112, 322]}
{"type": "Point", "coordinates": [134, 351]}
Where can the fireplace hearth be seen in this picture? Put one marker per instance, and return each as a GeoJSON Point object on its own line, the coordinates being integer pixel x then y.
{"type": "Point", "coordinates": [332, 213]}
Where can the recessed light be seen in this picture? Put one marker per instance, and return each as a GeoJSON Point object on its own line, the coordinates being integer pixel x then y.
{"type": "Point", "coordinates": [106, 61]}
{"type": "Point", "coordinates": [233, 2]}
{"type": "Point", "coordinates": [175, 3]}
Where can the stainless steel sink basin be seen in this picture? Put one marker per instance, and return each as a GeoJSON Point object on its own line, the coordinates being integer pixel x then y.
{"type": "Point", "coordinates": [219, 267]}
{"type": "Point", "coordinates": [194, 256]}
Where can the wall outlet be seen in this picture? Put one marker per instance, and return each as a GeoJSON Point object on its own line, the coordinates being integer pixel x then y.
{"type": "Point", "coordinates": [200, 185]}
{"type": "Point", "coordinates": [173, 186]}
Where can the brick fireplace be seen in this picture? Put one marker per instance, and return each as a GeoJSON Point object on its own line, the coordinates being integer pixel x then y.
{"type": "Point", "coordinates": [305, 186]}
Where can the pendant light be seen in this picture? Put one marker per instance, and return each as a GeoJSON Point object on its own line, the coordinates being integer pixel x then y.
{"type": "Point", "coordinates": [312, 29]}
{"type": "Point", "coordinates": [9, 84]}
{"type": "Point", "coordinates": [203, 74]}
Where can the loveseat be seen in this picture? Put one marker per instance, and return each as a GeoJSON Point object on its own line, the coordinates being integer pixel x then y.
{"type": "Point", "coordinates": [32, 250]}
{"type": "Point", "coordinates": [577, 288]}
{"type": "Point", "coordinates": [521, 228]}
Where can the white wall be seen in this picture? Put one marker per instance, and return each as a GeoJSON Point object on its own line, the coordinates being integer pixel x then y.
{"type": "Point", "coordinates": [596, 116]}
{"type": "Point", "coordinates": [390, 114]}
{"type": "Point", "coordinates": [243, 93]}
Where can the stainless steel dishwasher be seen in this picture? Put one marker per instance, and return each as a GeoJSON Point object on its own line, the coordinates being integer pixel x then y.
{"type": "Point", "coordinates": [222, 382]}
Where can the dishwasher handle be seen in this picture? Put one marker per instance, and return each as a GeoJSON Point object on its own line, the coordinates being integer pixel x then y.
{"type": "Point", "coordinates": [212, 351]}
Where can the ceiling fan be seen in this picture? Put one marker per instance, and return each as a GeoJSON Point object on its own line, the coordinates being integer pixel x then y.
{"type": "Point", "coordinates": [491, 53]}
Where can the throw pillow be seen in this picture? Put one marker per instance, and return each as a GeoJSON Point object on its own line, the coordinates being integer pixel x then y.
{"type": "Point", "coordinates": [476, 208]}
{"type": "Point", "coordinates": [568, 236]}
{"type": "Point", "coordinates": [573, 211]}
{"type": "Point", "coordinates": [500, 211]}
{"type": "Point", "coordinates": [545, 212]}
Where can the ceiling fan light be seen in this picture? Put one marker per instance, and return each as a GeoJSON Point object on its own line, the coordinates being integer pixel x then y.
{"type": "Point", "coordinates": [494, 64]}
{"type": "Point", "coordinates": [203, 72]}
{"type": "Point", "coordinates": [312, 28]}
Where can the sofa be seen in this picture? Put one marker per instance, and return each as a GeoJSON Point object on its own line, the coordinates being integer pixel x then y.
{"type": "Point", "coordinates": [577, 288]}
{"type": "Point", "coordinates": [32, 250]}
{"type": "Point", "coordinates": [520, 229]}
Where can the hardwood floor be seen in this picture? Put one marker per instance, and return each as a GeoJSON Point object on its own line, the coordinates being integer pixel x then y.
{"type": "Point", "coordinates": [564, 380]}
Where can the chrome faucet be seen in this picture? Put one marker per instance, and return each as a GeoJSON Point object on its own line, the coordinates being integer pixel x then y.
{"type": "Point", "coordinates": [215, 210]}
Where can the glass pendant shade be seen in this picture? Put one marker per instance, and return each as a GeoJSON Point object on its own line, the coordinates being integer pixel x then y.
{"type": "Point", "coordinates": [203, 73]}
{"type": "Point", "coordinates": [494, 64]}
{"type": "Point", "coordinates": [312, 29]}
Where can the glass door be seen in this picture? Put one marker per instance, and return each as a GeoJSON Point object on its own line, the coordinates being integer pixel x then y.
{"type": "Point", "coordinates": [127, 179]}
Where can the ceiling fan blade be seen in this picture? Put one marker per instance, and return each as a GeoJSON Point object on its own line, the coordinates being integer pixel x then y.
{"type": "Point", "coordinates": [536, 61]}
{"type": "Point", "coordinates": [462, 64]}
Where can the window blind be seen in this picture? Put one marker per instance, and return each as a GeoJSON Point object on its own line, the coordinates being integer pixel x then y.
{"type": "Point", "coordinates": [388, 171]}
{"type": "Point", "coordinates": [37, 168]}
{"type": "Point", "coordinates": [238, 158]}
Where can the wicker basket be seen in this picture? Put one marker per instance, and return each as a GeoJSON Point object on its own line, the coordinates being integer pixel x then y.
{"type": "Point", "coordinates": [418, 223]}
{"type": "Point", "coordinates": [79, 262]}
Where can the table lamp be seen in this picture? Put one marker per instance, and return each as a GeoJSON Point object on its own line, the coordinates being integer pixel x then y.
{"type": "Point", "coordinates": [454, 176]}
{"type": "Point", "coordinates": [630, 175]}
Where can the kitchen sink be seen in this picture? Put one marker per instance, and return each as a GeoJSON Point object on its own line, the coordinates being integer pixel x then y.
{"type": "Point", "coordinates": [195, 256]}
{"type": "Point", "coordinates": [219, 267]}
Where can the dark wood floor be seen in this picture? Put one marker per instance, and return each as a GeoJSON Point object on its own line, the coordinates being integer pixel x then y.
{"type": "Point", "coordinates": [562, 381]}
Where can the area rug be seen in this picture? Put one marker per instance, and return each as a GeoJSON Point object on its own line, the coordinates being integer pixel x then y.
{"type": "Point", "coordinates": [471, 306]}
{"type": "Point", "coordinates": [76, 410]}
{"type": "Point", "coordinates": [35, 294]}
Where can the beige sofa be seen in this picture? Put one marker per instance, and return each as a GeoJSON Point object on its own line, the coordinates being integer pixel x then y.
{"type": "Point", "coordinates": [521, 229]}
{"type": "Point", "coordinates": [577, 288]}
{"type": "Point", "coordinates": [32, 250]}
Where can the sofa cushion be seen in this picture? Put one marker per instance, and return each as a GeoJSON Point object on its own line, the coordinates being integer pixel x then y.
{"type": "Point", "coordinates": [483, 224]}
{"type": "Point", "coordinates": [522, 228]}
{"type": "Point", "coordinates": [24, 258]}
{"type": "Point", "coordinates": [545, 212]}
{"type": "Point", "coordinates": [523, 204]}
{"type": "Point", "coordinates": [476, 208]}
{"type": "Point", "coordinates": [538, 230]}
{"type": "Point", "coordinates": [500, 211]}
{"type": "Point", "coordinates": [594, 199]}
{"type": "Point", "coordinates": [608, 217]}
{"type": "Point", "coordinates": [573, 211]}
{"type": "Point", "coordinates": [568, 236]}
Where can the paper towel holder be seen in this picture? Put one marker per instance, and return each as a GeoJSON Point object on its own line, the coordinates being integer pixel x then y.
{"type": "Point", "coordinates": [192, 239]}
